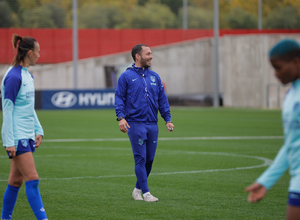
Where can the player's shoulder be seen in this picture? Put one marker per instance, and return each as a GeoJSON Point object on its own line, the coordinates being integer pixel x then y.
{"type": "Point", "coordinates": [128, 72]}
{"type": "Point", "coordinates": [14, 73]}
{"type": "Point", "coordinates": [15, 70]}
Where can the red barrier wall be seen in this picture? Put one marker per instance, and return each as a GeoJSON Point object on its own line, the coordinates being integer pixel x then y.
{"type": "Point", "coordinates": [56, 44]}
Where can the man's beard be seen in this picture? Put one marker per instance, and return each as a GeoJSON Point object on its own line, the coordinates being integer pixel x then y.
{"type": "Point", "coordinates": [144, 63]}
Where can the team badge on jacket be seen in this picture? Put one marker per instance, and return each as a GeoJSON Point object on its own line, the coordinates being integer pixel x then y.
{"type": "Point", "coordinates": [153, 80]}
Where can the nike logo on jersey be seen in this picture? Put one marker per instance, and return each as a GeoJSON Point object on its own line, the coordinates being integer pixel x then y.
{"type": "Point", "coordinates": [134, 79]}
{"type": "Point", "coordinates": [25, 84]}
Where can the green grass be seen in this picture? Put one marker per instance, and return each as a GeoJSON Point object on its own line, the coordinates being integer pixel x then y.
{"type": "Point", "coordinates": [93, 179]}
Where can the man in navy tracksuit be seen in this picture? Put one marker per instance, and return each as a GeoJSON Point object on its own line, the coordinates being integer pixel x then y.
{"type": "Point", "coordinates": [139, 95]}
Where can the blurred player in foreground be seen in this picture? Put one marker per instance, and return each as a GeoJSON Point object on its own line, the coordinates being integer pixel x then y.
{"type": "Point", "coordinates": [20, 125]}
{"type": "Point", "coordinates": [139, 96]}
{"type": "Point", "coordinates": [285, 59]}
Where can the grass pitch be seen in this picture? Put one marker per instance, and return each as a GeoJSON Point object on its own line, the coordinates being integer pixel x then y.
{"type": "Point", "coordinates": [86, 166]}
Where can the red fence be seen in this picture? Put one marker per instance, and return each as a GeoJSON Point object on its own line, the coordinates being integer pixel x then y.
{"type": "Point", "coordinates": [56, 44]}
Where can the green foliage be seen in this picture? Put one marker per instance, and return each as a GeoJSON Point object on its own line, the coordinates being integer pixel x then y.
{"type": "Point", "coordinates": [100, 16]}
{"type": "Point", "coordinates": [239, 19]}
{"type": "Point", "coordinates": [58, 15]}
{"type": "Point", "coordinates": [197, 18]}
{"type": "Point", "coordinates": [6, 15]}
{"type": "Point", "coordinates": [92, 17]}
{"type": "Point", "coordinates": [116, 17]}
{"type": "Point", "coordinates": [152, 15]}
{"type": "Point", "coordinates": [14, 5]}
{"type": "Point", "coordinates": [286, 17]}
{"type": "Point", "coordinates": [174, 5]}
{"type": "Point", "coordinates": [142, 2]}
{"type": "Point", "coordinates": [46, 16]}
{"type": "Point", "coordinates": [147, 13]}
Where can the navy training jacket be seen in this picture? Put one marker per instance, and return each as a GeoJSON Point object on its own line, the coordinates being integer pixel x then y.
{"type": "Point", "coordinates": [140, 95]}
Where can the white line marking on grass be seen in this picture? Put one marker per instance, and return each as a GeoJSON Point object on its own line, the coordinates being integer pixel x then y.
{"type": "Point", "coordinates": [53, 155]}
{"type": "Point", "coordinates": [87, 148]}
{"type": "Point", "coordinates": [167, 139]}
{"type": "Point", "coordinates": [221, 138]}
{"type": "Point", "coordinates": [266, 162]}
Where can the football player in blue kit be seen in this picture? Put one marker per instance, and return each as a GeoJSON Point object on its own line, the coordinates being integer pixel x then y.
{"type": "Point", "coordinates": [285, 59]}
{"type": "Point", "coordinates": [139, 96]}
{"type": "Point", "coordinates": [21, 129]}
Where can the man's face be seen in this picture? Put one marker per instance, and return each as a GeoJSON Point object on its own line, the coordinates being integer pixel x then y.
{"type": "Point", "coordinates": [146, 57]}
{"type": "Point", "coordinates": [286, 71]}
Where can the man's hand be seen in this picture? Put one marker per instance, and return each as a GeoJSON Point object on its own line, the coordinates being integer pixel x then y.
{"type": "Point", "coordinates": [170, 126]}
{"type": "Point", "coordinates": [257, 192]}
{"type": "Point", "coordinates": [123, 125]}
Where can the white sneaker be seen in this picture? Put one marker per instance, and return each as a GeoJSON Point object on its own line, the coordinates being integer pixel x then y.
{"type": "Point", "coordinates": [137, 194]}
{"type": "Point", "coordinates": [149, 198]}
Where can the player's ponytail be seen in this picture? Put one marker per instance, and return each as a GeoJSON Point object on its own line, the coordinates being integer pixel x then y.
{"type": "Point", "coordinates": [22, 45]}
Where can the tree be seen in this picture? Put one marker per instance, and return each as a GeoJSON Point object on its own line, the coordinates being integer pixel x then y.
{"type": "Point", "coordinates": [67, 5]}
{"type": "Point", "coordinates": [100, 16]}
{"type": "Point", "coordinates": [123, 5]}
{"type": "Point", "coordinates": [160, 13]}
{"type": "Point", "coordinates": [14, 5]}
{"type": "Point", "coordinates": [58, 15]}
{"type": "Point", "coordinates": [204, 4]}
{"type": "Point", "coordinates": [174, 5]}
{"type": "Point", "coordinates": [6, 15]}
{"type": "Point", "coordinates": [142, 2]}
{"type": "Point", "coordinates": [268, 7]}
{"type": "Point", "coordinates": [116, 17]}
{"type": "Point", "coordinates": [46, 16]}
{"type": "Point", "coordinates": [152, 15]}
{"type": "Point", "coordinates": [29, 4]}
{"type": "Point", "coordinates": [238, 18]}
{"type": "Point", "coordinates": [197, 18]}
{"type": "Point", "coordinates": [286, 17]}
{"type": "Point", "coordinates": [92, 17]}
{"type": "Point", "coordinates": [37, 18]}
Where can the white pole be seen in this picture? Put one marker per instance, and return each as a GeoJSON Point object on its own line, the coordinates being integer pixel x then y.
{"type": "Point", "coordinates": [216, 53]}
{"type": "Point", "coordinates": [259, 14]}
{"type": "Point", "coordinates": [184, 9]}
{"type": "Point", "coordinates": [75, 42]}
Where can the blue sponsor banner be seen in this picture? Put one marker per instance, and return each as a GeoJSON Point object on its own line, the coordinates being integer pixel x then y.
{"type": "Point", "coordinates": [78, 99]}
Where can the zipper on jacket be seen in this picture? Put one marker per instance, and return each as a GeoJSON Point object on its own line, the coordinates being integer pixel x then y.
{"type": "Point", "coordinates": [146, 88]}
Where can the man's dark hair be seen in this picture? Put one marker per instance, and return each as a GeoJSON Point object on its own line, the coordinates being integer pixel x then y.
{"type": "Point", "coordinates": [291, 55]}
{"type": "Point", "coordinates": [137, 50]}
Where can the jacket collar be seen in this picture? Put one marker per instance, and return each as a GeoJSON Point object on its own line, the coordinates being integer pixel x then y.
{"type": "Point", "coordinates": [139, 70]}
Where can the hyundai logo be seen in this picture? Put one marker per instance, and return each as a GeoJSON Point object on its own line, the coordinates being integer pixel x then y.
{"type": "Point", "coordinates": [64, 99]}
